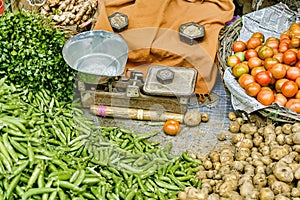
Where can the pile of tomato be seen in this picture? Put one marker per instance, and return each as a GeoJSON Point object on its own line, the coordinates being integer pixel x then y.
{"type": "Point", "coordinates": [269, 68]}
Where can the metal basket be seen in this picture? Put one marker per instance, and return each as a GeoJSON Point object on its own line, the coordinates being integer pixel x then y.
{"type": "Point", "coordinates": [227, 36]}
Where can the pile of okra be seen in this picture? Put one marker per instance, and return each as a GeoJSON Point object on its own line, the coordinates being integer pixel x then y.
{"type": "Point", "coordinates": [50, 150]}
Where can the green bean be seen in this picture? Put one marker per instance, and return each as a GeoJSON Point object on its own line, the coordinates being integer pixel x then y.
{"type": "Point", "coordinates": [190, 159]}
{"type": "Point", "coordinates": [9, 148]}
{"type": "Point", "coordinates": [61, 175]}
{"type": "Point", "coordinates": [20, 168]}
{"type": "Point", "coordinates": [53, 195]}
{"type": "Point", "coordinates": [5, 153]}
{"type": "Point", "coordinates": [88, 195]}
{"type": "Point", "coordinates": [80, 178]}
{"type": "Point", "coordinates": [13, 184]}
{"type": "Point", "coordinates": [62, 195]}
{"type": "Point", "coordinates": [36, 191]}
{"type": "Point", "coordinates": [130, 195]}
{"type": "Point", "coordinates": [47, 185]}
{"type": "Point", "coordinates": [166, 185]}
{"type": "Point", "coordinates": [74, 176]}
{"type": "Point", "coordinates": [6, 163]}
{"type": "Point", "coordinates": [68, 185]}
{"type": "Point", "coordinates": [34, 176]}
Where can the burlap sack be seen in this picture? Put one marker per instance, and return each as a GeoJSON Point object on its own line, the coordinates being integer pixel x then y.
{"type": "Point", "coordinates": [153, 33]}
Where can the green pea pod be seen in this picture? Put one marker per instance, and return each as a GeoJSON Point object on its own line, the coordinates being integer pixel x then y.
{"type": "Point", "coordinates": [37, 191]}
{"type": "Point", "coordinates": [13, 184]}
{"type": "Point", "coordinates": [34, 176]}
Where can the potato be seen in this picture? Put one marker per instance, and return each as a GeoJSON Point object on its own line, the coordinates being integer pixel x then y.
{"type": "Point", "coordinates": [295, 192]}
{"type": "Point", "coordinates": [296, 127]}
{"type": "Point", "coordinates": [278, 130]}
{"type": "Point", "coordinates": [237, 137]}
{"type": "Point", "coordinates": [287, 128]}
{"type": "Point", "coordinates": [246, 188]}
{"type": "Point", "coordinates": [279, 187]}
{"type": "Point", "coordinates": [297, 174]}
{"type": "Point", "coordinates": [269, 129]}
{"type": "Point", "coordinates": [264, 150]}
{"type": "Point", "coordinates": [266, 160]}
{"type": "Point", "coordinates": [257, 140]}
{"type": "Point", "coordinates": [296, 138]}
{"type": "Point", "coordinates": [234, 127]}
{"type": "Point", "coordinates": [248, 128]}
{"type": "Point", "coordinates": [278, 153]}
{"type": "Point", "coordinates": [227, 187]}
{"type": "Point", "coordinates": [192, 118]}
{"type": "Point", "coordinates": [245, 143]}
{"type": "Point", "coordinates": [280, 139]}
{"type": "Point", "coordinates": [207, 164]}
{"type": "Point", "coordinates": [283, 173]}
{"type": "Point", "coordinates": [232, 116]}
{"type": "Point", "coordinates": [238, 166]}
{"type": "Point", "coordinates": [214, 156]}
{"type": "Point", "coordinates": [296, 148]}
{"type": "Point", "coordinates": [213, 196]}
{"type": "Point", "coordinates": [242, 153]}
{"type": "Point", "coordinates": [266, 194]}
{"type": "Point", "coordinates": [226, 156]}
{"type": "Point", "coordinates": [281, 197]}
{"type": "Point", "coordinates": [210, 174]}
{"type": "Point", "coordinates": [260, 180]}
{"type": "Point", "coordinates": [181, 196]}
{"type": "Point", "coordinates": [289, 139]}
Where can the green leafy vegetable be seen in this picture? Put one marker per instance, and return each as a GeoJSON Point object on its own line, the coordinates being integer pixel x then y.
{"type": "Point", "coordinates": [31, 54]}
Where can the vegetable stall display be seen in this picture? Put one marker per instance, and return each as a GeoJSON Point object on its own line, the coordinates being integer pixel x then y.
{"type": "Point", "coordinates": [49, 149]}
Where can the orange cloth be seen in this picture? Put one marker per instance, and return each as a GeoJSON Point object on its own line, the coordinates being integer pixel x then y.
{"type": "Point", "coordinates": [153, 33]}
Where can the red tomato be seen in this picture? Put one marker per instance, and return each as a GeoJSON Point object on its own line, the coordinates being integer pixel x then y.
{"type": "Point", "coordinates": [289, 88]}
{"type": "Point", "coordinates": [239, 46]}
{"type": "Point", "coordinates": [285, 35]}
{"type": "Point", "coordinates": [171, 127]}
{"type": "Point", "coordinates": [298, 81]}
{"type": "Point", "coordinates": [272, 42]}
{"type": "Point", "coordinates": [280, 99]}
{"type": "Point", "coordinates": [265, 52]}
{"type": "Point", "coordinates": [278, 56]}
{"type": "Point", "coordinates": [298, 55]}
{"type": "Point", "coordinates": [295, 42]}
{"type": "Point", "coordinates": [252, 89]}
{"type": "Point", "coordinates": [259, 35]}
{"type": "Point", "coordinates": [283, 47]}
{"type": "Point", "coordinates": [294, 105]}
{"type": "Point", "coordinates": [253, 42]}
{"type": "Point", "coordinates": [233, 60]}
{"type": "Point", "coordinates": [269, 62]}
{"type": "Point", "coordinates": [255, 70]}
{"type": "Point", "coordinates": [278, 71]}
{"type": "Point", "coordinates": [265, 97]}
{"type": "Point", "coordinates": [292, 73]}
{"type": "Point", "coordinates": [289, 57]}
{"type": "Point", "coordinates": [254, 62]}
{"type": "Point", "coordinates": [245, 79]}
{"type": "Point", "coordinates": [279, 83]}
{"type": "Point", "coordinates": [250, 53]}
{"type": "Point", "coordinates": [297, 64]}
{"type": "Point", "coordinates": [263, 78]}
{"type": "Point", "coordinates": [297, 96]}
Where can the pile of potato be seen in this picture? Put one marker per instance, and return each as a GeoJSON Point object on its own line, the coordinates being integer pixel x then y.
{"type": "Point", "coordinates": [262, 163]}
